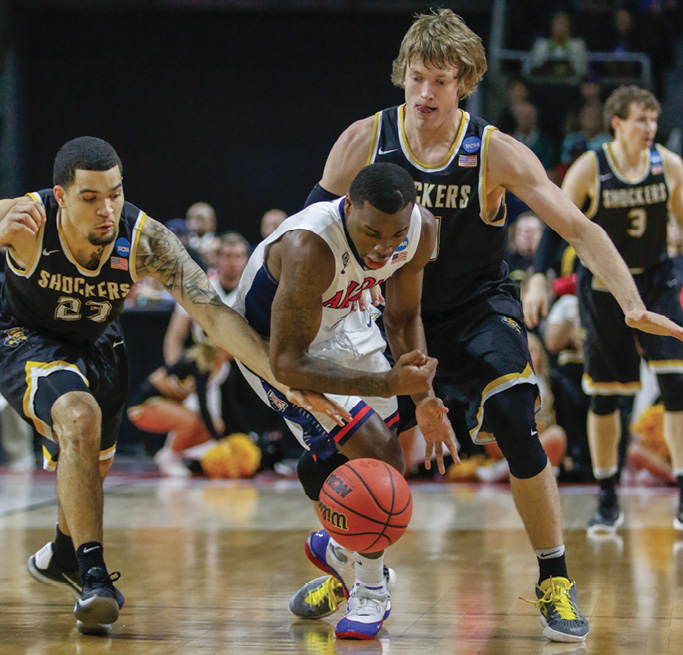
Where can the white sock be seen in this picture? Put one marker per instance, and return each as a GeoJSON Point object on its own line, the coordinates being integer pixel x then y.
{"type": "Point", "coordinates": [605, 472]}
{"type": "Point", "coordinates": [369, 571]}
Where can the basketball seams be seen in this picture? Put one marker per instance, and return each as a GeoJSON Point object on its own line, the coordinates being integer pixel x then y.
{"type": "Point", "coordinates": [359, 505]}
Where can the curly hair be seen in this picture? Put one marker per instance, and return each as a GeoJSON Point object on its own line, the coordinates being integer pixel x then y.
{"type": "Point", "coordinates": [442, 40]}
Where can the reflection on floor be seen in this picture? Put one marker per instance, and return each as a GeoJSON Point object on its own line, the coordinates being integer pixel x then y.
{"type": "Point", "coordinates": [208, 568]}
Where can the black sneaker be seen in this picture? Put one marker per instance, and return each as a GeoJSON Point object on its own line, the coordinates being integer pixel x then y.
{"type": "Point", "coordinates": [43, 567]}
{"type": "Point", "coordinates": [99, 604]}
{"type": "Point", "coordinates": [608, 516]}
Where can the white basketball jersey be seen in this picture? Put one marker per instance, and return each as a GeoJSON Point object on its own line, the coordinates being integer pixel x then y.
{"type": "Point", "coordinates": [345, 334]}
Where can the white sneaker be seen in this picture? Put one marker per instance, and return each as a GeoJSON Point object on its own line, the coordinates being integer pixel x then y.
{"type": "Point", "coordinates": [335, 560]}
{"type": "Point", "coordinates": [366, 610]}
{"type": "Point", "coordinates": [170, 464]}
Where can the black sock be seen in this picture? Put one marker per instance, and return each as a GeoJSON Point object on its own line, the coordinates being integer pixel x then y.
{"type": "Point", "coordinates": [551, 563]}
{"type": "Point", "coordinates": [64, 551]}
{"type": "Point", "coordinates": [609, 485]}
{"type": "Point", "coordinates": [90, 554]}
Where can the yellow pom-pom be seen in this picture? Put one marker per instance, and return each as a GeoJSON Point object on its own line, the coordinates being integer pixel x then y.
{"type": "Point", "coordinates": [234, 456]}
{"type": "Point", "coordinates": [650, 427]}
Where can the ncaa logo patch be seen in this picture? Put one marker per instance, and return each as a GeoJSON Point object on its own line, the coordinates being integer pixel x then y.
{"type": "Point", "coordinates": [123, 247]}
{"type": "Point", "coordinates": [403, 245]}
{"type": "Point", "coordinates": [15, 336]}
{"type": "Point", "coordinates": [471, 144]}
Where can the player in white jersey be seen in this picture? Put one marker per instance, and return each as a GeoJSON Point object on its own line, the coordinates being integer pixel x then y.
{"type": "Point", "coordinates": [299, 290]}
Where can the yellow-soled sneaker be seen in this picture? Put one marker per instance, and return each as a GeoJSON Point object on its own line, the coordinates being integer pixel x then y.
{"type": "Point", "coordinates": [317, 598]}
{"type": "Point", "coordinates": [560, 617]}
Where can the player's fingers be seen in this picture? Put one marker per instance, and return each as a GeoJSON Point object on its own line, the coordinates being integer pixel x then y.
{"type": "Point", "coordinates": [439, 459]}
{"type": "Point", "coordinates": [429, 448]}
{"type": "Point", "coordinates": [453, 450]}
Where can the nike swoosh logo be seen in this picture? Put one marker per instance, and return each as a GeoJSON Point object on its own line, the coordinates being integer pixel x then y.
{"type": "Point", "coordinates": [88, 550]}
{"type": "Point", "coordinates": [117, 343]}
{"type": "Point", "coordinates": [605, 177]}
{"type": "Point", "coordinates": [47, 252]}
{"type": "Point", "coordinates": [386, 152]}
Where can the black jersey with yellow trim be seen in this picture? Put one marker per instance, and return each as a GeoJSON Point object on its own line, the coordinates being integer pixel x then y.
{"type": "Point", "coordinates": [633, 211]}
{"type": "Point", "coordinates": [55, 295]}
{"type": "Point", "coordinates": [467, 262]}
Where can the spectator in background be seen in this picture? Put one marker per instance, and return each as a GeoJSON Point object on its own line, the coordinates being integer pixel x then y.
{"type": "Point", "coordinates": [271, 220]}
{"type": "Point", "coordinates": [202, 223]}
{"type": "Point", "coordinates": [559, 57]}
{"type": "Point", "coordinates": [589, 137]}
{"type": "Point", "coordinates": [518, 92]}
{"type": "Point", "coordinates": [528, 132]}
{"type": "Point", "coordinates": [625, 35]}
{"type": "Point", "coordinates": [527, 232]}
{"type": "Point", "coordinates": [180, 228]}
{"type": "Point", "coordinates": [562, 341]}
{"type": "Point", "coordinates": [240, 407]}
{"type": "Point", "coordinates": [232, 258]}
{"type": "Point", "coordinates": [158, 406]}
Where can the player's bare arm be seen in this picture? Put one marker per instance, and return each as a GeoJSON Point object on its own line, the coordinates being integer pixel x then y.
{"type": "Point", "coordinates": [674, 167]}
{"type": "Point", "coordinates": [304, 266]}
{"type": "Point", "coordinates": [404, 331]}
{"type": "Point", "coordinates": [578, 185]}
{"type": "Point", "coordinates": [348, 155]}
{"type": "Point", "coordinates": [161, 255]}
{"type": "Point", "coordinates": [512, 166]}
{"type": "Point", "coordinates": [20, 222]}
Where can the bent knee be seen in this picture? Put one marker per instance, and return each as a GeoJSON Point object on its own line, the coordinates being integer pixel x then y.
{"type": "Point", "coordinates": [76, 417]}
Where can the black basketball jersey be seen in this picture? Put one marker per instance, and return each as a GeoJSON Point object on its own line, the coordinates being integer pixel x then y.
{"type": "Point", "coordinates": [467, 262]}
{"type": "Point", "coordinates": [633, 212]}
{"type": "Point", "coordinates": [55, 295]}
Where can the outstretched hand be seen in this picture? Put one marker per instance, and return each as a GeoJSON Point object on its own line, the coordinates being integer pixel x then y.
{"type": "Point", "coordinates": [413, 373]}
{"type": "Point", "coordinates": [26, 216]}
{"type": "Point", "coordinates": [535, 300]}
{"type": "Point", "coordinates": [318, 402]}
{"type": "Point", "coordinates": [437, 430]}
{"type": "Point", "coordinates": [647, 321]}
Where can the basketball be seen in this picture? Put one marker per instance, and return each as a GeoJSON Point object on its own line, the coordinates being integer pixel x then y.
{"type": "Point", "coordinates": [365, 505]}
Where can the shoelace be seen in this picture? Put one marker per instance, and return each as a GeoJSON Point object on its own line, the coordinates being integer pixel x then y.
{"type": "Point", "coordinates": [113, 577]}
{"type": "Point", "coordinates": [559, 596]}
{"type": "Point", "coordinates": [370, 602]}
{"type": "Point", "coordinates": [329, 591]}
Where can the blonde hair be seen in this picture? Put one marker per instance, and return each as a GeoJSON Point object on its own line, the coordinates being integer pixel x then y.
{"type": "Point", "coordinates": [203, 354]}
{"type": "Point", "coordinates": [620, 101]}
{"type": "Point", "coordinates": [442, 40]}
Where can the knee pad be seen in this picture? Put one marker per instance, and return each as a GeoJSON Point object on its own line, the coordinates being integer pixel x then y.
{"type": "Point", "coordinates": [510, 416]}
{"type": "Point", "coordinates": [604, 405]}
{"type": "Point", "coordinates": [671, 388]}
{"type": "Point", "coordinates": [313, 472]}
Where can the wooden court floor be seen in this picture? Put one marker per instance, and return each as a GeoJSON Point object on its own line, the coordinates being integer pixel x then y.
{"type": "Point", "coordinates": [208, 568]}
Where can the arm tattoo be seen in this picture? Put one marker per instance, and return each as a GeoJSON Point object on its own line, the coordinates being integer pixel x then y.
{"type": "Point", "coordinates": [161, 255]}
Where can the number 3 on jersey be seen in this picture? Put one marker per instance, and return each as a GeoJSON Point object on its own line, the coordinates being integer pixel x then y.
{"type": "Point", "coordinates": [638, 218]}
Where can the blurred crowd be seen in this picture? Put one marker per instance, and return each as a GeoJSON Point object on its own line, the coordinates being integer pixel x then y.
{"type": "Point", "coordinates": [199, 411]}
